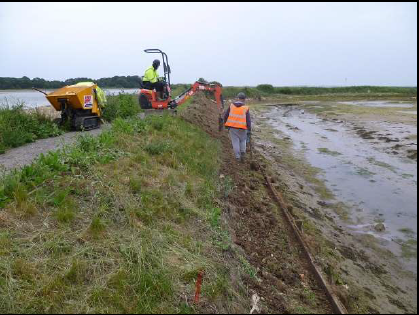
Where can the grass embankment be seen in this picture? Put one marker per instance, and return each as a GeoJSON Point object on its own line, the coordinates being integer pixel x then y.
{"type": "Point", "coordinates": [118, 223]}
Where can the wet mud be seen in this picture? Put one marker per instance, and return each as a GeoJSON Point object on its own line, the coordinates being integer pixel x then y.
{"type": "Point", "coordinates": [372, 261]}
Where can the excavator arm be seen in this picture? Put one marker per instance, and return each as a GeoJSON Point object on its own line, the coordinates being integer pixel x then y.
{"type": "Point", "coordinates": [202, 86]}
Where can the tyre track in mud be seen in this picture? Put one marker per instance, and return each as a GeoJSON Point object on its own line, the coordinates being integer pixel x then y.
{"type": "Point", "coordinates": [284, 279]}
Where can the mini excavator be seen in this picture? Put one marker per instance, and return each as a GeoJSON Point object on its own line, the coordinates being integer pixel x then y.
{"type": "Point", "coordinates": [149, 98]}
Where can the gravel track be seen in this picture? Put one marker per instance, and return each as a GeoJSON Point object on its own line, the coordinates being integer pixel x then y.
{"type": "Point", "coordinates": [21, 156]}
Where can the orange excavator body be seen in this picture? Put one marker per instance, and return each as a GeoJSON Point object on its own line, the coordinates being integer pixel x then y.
{"type": "Point", "coordinates": [149, 100]}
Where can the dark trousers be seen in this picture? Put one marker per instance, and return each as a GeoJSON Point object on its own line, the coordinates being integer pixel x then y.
{"type": "Point", "coordinates": [159, 86]}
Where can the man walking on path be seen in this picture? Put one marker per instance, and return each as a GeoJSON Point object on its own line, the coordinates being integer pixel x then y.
{"type": "Point", "coordinates": [237, 120]}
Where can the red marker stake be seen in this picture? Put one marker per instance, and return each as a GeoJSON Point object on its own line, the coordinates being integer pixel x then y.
{"type": "Point", "coordinates": [198, 287]}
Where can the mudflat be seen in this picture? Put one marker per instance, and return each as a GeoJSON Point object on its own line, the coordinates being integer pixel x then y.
{"type": "Point", "coordinates": [348, 165]}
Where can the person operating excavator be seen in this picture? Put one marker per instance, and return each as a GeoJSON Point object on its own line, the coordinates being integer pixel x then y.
{"type": "Point", "coordinates": [151, 79]}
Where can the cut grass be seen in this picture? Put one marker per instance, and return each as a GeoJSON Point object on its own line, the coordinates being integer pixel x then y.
{"type": "Point", "coordinates": [123, 224]}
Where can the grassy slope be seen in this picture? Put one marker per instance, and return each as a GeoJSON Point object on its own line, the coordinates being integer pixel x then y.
{"type": "Point", "coordinates": [119, 223]}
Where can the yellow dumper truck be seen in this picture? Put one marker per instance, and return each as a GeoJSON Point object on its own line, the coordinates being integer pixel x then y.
{"type": "Point", "coordinates": [81, 103]}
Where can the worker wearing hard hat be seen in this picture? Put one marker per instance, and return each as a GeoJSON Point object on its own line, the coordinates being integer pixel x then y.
{"type": "Point", "coordinates": [237, 120]}
{"type": "Point", "coordinates": [151, 78]}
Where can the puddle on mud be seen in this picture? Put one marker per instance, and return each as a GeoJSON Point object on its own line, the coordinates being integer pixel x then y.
{"type": "Point", "coordinates": [379, 104]}
{"type": "Point", "coordinates": [411, 112]}
{"type": "Point", "coordinates": [379, 186]}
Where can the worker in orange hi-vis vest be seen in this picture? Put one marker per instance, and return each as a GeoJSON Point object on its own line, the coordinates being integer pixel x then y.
{"type": "Point", "coordinates": [237, 120]}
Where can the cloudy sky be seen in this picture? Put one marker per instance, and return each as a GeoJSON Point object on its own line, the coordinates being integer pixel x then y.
{"type": "Point", "coordinates": [283, 44]}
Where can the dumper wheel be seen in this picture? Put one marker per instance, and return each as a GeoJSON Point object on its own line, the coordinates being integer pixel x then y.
{"type": "Point", "coordinates": [144, 102]}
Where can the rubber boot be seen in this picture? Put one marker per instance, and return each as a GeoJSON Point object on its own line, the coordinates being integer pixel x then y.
{"type": "Point", "coordinates": [243, 158]}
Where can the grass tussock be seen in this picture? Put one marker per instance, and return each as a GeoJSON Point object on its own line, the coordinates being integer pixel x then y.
{"type": "Point", "coordinates": [122, 105]}
{"type": "Point", "coordinates": [124, 223]}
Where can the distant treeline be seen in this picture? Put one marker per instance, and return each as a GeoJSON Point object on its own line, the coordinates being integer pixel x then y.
{"type": "Point", "coordinates": [26, 83]}
{"type": "Point", "coordinates": [260, 90]}
{"type": "Point", "coordinates": [267, 89]}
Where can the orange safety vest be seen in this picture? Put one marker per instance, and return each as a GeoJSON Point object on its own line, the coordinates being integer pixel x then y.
{"type": "Point", "coordinates": [237, 117]}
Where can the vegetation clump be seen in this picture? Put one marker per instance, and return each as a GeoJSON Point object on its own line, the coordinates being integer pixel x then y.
{"type": "Point", "coordinates": [122, 105]}
{"type": "Point", "coordinates": [18, 127]}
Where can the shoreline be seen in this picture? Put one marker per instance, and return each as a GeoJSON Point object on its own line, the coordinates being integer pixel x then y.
{"type": "Point", "coordinates": [359, 260]}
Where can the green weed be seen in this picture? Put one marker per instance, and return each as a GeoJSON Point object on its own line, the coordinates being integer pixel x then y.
{"type": "Point", "coordinates": [5, 243]}
{"type": "Point", "coordinates": [248, 268]}
{"type": "Point", "coordinates": [157, 147]}
{"type": "Point", "coordinates": [18, 126]}
{"type": "Point", "coordinates": [329, 152]}
{"type": "Point", "coordinates": [381, 164]}
{"type": "Point", "coordinates": [121, 106]}
{"type": "Point", "coordinates": [97, 226]}
{"type": "Point", "coordinates": [66, 212]}
{"type": "Point", "coordinates": [77, 273]}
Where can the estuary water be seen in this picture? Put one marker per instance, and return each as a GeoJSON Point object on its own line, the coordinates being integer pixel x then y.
{"type": "Point", "coordinates": [33, 99]}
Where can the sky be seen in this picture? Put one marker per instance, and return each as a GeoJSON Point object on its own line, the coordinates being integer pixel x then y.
{"type": "Point", "coordinates": [241, 44]}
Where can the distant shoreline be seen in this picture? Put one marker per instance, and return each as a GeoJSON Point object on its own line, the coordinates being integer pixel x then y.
{"type": "Point", "coordinates": [52, 89]}
{"type": "Point", "coordinates": [249, 86]}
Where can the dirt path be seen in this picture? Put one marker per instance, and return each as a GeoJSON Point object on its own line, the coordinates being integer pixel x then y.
{"type": "Point", "coordinates": [18, 157]}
